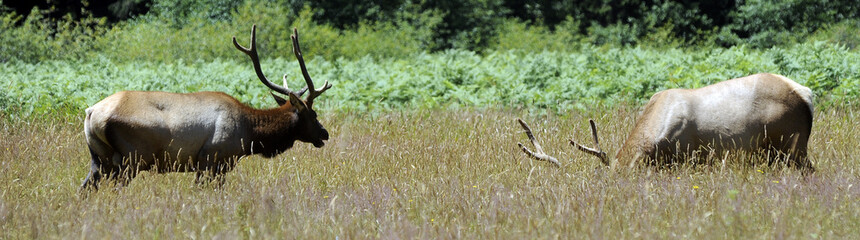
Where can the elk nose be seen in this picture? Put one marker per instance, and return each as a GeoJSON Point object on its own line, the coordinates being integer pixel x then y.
{"type": "Point", "coordinates": [324, 134]}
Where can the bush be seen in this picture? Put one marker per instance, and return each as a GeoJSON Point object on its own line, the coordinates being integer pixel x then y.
{"type": "Point", "coordinates": [769, 23]}
{"type": "Point", "coordinates": [39, 39]}
{"type": "Point", "coordinates": [554, 81]}
{"type": "Point", "coordinates": [845, 33]}
{"type": "Point", "coordinates": [201, 29]}
{"type": "Point", "coordinates": [515, 34]}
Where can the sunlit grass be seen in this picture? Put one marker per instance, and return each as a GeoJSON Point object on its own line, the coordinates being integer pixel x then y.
{"type": "Point", "coordinates": [429, 174]}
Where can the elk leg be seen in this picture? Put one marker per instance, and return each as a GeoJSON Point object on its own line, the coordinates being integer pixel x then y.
{"type": "Point", "coordinates": [802, 163]}
{"type": "Point", "coordinates": [209, 176]}
{"type": "Point", "coordinates": [219, 179]}
{"type": "Point", "coordinates": [220, 172]}
{"type": "Point", "coordinates": [798, 156]}
{"type": "Point", "coordinates": [93, 178]}
{"type": "Point", "coordinates": [212, 169]}
{"type": "Point", "coordinates": [125, 175]}
{"type": "Point", "coordinates": [792, 150]}
{"type": "Point", "coordinates": [119, 174]}
{"type": "Point", "coordinates": [203, 176]}
{"type": "Point", "coordinates": [197, 176]}
{"type": "Point", "coordinates": [99, 170]}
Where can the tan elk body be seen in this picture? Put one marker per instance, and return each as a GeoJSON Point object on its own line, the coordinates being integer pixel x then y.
{"type": "Point", "coordinates": [762, 112]}
{"type": "Point", "coordinates": [200, 132]}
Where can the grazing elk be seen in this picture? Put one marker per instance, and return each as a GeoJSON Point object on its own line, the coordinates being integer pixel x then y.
{"type": "Point", "coordinates": [762, 112]}
{"type": "Point", "coordinates": [204, 132]}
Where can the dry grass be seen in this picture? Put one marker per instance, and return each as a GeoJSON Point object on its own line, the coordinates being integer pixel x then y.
{"type": "Point", "coordinates": [435, 174]}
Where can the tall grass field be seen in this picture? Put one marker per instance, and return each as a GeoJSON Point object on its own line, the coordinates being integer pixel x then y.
{"type": "Point", "coordinates": [436, 174]}
{"type": "Point", "coordinates": [422, 117]}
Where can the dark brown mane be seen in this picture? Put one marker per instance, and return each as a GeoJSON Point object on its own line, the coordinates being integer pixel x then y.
{"type": "Point", "coordinates": [271, 129]}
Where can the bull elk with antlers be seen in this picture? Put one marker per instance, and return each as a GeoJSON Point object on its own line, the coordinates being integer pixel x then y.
{"type": "Point", "coordinates": [765, 113]}
{"type": "Point", "coordinates": [203, 132]}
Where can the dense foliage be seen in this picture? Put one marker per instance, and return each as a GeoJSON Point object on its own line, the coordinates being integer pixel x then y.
{"type": "Point", "coordinates": [484, 53]}
{"type": "Point", "coordinates": [555, 81]}
{"type": "Point", "coordinates": [197, 29]}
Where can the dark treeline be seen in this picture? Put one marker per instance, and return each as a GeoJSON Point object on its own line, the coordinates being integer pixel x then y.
{"type": "Point", "coordinates": [114, 10]}
{"type": "Point", "coordinates": [474, 24]}
{"type": "Point", "coordinates": [728, 22]}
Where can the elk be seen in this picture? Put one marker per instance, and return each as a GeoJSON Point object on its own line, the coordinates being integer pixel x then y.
{"type": "Point", "coordinates": [763, 113]}
{"type": "Point", "coordinates": [203, 132]}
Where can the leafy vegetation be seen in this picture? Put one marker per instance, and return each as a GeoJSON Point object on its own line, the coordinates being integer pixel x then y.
{"type": "Point", "coordinates": [170, 30]}
{"type": "Point", "coordinates": [554, 81]}
{"type": "Point", "coordinates": [422, 55]}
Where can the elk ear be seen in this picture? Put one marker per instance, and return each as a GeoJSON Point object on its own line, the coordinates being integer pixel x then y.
{"type": "Point", "coordinates": [297, 102]}
{"type": "Point", "coordinates": [281, 101]}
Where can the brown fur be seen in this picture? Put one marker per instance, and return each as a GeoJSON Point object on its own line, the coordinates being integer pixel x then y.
{"type": "Point", "coordinates": [172, 132]}
{"type": "Point", "coordinates": [201, 132]}
{"type": "Point", "coordinates": [762, 112]}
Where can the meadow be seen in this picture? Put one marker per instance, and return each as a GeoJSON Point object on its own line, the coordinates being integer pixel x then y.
{"type": "Point", "coordinates": [425, 147]}
{"type": "Point", "coordinates": [436, 173]}
{"type": "Point", "coordinates": [422, 121]}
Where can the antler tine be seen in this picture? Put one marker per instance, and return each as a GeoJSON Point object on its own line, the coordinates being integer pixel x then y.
{"type": "Point", "coordinates": [600, 154]}
{"type": "Point", "coordinates": [298, 52]}
{"type": "Point", "coordinates": [300, 92]}
{"type": "Point", "coordinates": [252, 50]}
{"type": "Point", "coordinates": [594, 134]}
{"type": "Point", "coordinates": [539, 154]}
{"type": "Point", "coordinates": [255, 60]}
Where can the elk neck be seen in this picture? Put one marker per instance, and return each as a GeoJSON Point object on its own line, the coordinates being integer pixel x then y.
{"type": "Point", "coordinates": [270, 130]}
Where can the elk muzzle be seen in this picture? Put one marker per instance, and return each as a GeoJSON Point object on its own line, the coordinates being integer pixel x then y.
{"type": "Point", "coordinates": [322, 137]}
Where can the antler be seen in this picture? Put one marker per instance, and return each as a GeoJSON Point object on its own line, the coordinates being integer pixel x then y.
{"type": "Point", "coordinates": [314, 92]}
{"type": "Point", "coordinates": [300, 92]}
{"type": "Point", "coordinates": [596, 152]}
{"type": "Point", "coordinates": [539, 154]}
{"type": "Point", "coordinates": [255, 59]}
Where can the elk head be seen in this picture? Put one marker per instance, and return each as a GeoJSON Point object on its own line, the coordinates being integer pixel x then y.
{"type": "Point", "coordinates": [307, 128]}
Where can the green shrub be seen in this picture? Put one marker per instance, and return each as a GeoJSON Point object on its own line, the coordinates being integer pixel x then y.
{"type": "Point", "coordinates": [769, 23]}
{"type": "Point", "coordinates": [39, 39]}
{"type": "Point", "coordinates": [552, 81]}
{"type": "Point", "coordinates": [180, 12]}
{"type": "Point", "coordinates": [846, 33]}
{"type": "Point", "coordinates": [199, 38]}
{"type": "Point", "coordinates": [515, 34]}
